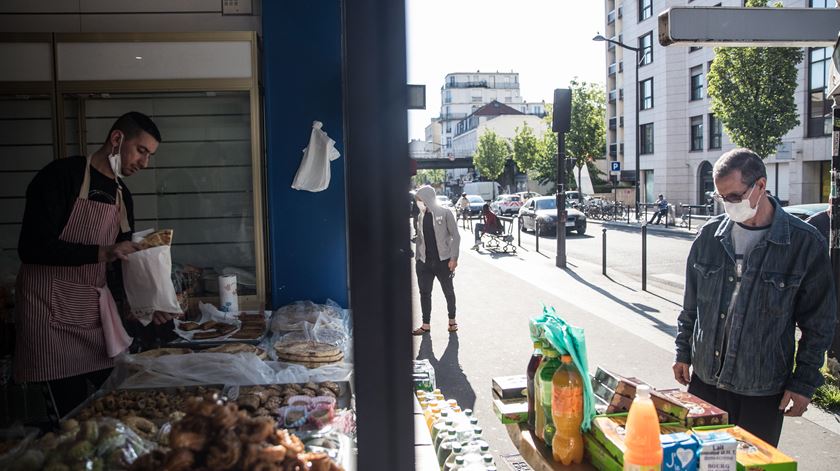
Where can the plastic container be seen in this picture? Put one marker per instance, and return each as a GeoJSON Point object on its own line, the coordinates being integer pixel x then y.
{"type": "Point", "coordinates": [536, 358]}
{"type": "Point", "coordinates": [644, 450]}
{"type": "Point", "coordinates": [432, 415]}
{"type": "Point", "coordinates": [445, 448]}
{"type": "Point", "coordinates": [457, 453]}
{"type": "Point", "coordinates": [442, 436]}
{"type": "Point", "coordinates": [546, 375]}
{"type": "Point", "coordinates": [443, 421]}
{"type": "Point", "coordinates": [567, 413]}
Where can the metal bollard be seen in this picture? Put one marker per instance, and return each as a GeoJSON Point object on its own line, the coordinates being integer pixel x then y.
{"type": "Point", "coordinates": [604, 251]}
{"type": "Point", "coordinates": [518, 231]}
{"type": "Point", "coordinates": [537, 234]}
{"type": "Point", "coordinates": [644, 257]}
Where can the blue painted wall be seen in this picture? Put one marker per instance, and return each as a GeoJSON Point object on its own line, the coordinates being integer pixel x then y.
{"type": "Point", "coordinates": [302, 81]}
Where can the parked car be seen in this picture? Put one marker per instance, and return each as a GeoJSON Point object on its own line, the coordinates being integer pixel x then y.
{"type": "Point", "coordinates": [804, 211]}
{"type": "Point", "coordinates": [506, 204]}
{"type": "Point", "coordinates": [544, 210]}
{"type": "Point", "coordinates": [526, 195]}
{"type": "Point", "coordinates": [476, 203]}
{"type": "Point", "coordinates": [444, 201]}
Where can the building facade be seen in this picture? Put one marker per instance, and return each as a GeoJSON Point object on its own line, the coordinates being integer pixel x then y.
{"type": "Point", "coordinates": [680, 139]}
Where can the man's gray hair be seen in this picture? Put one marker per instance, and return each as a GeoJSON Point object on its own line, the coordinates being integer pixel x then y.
{"type": "Point", "coordinates": [748, 162]}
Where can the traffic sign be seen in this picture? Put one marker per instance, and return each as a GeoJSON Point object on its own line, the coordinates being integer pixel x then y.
{"type": "Point", "coordinates": [615, 166]}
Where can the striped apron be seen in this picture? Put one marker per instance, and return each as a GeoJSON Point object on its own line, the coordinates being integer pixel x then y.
{"type": "Point", "coordinates": [58, 326]}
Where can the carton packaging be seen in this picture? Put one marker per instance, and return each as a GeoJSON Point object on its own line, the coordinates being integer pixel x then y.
{"type": "Point", "coordinates": [606, 378]}
{"type": "Point", "coordinates": [717, 451]}
{"type": "Point", "coordinates": [510, 387]}
{"type": "Point", "coordinates": [602, 391]}
{"type": "Point", "coordinates": [608, 431]}
{"type": "Point", "coordinates": [700, 412]}
{"type": "Point", "coordinates": [511, 411]}
{"type": "Point", "coordinates": [680, 452]}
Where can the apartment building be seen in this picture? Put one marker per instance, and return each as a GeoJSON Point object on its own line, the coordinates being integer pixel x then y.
{"type": "Point", "coordinates": [680, 138]}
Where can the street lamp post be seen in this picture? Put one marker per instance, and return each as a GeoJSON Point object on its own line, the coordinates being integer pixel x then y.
{"type": "Point", "coordinates": [638, 54]}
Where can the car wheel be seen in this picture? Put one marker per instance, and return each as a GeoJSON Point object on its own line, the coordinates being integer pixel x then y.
{"type": "Point", "coordinates": [581, 229]}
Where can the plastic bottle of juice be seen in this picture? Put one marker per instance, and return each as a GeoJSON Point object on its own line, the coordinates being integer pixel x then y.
{"type": "Point", "coordinates": [546, 372]}
{"type": "Point", "coordinates": [536, 358]}
{"type": "Point", "coordinates": [644, 450]}
{"type": "Point", "coordinates": [539, 416]}
{"type": "Point", "coordinates": [443, 421]}
{"type": "Point", "coordinates": [567, 413]}
{"type": "Point", "coordinates": [432, 415]}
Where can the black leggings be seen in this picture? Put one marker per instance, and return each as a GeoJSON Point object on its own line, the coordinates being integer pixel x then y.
{"type": "Point", "coordinates": [760, 415]}
{"type": "Point", "coordinates": [426, 274]}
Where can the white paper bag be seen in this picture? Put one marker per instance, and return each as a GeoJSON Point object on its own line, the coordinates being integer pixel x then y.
{"type": "Point", "coordinates": [147, 277]}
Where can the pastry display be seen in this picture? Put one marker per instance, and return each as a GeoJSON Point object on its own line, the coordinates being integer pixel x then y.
{"type": "Point", "coordinates": [157, 239]}
{"type": "Point", "coordinates": [219, 436]}
{"type": "Point", "coordinates": [188, 326]}
{"type": "Point", "coordinates": [308, 353]}
{"type": "Point", "coordinates": [253, 327]}
{"type": "Point", "coordinates": [217, 329]}
{"type": "Point", "coordinates": [154, 405]}
{"type": "Point", "coordinates": [159, 352]}
{"type": "Point", "coordinates": [239, 348]}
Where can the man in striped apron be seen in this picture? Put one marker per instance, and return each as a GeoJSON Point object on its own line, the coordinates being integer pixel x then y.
{"type": "Point", "coordinates": [78, 218]}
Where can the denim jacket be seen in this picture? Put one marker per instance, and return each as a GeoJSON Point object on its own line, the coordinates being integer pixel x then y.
{"type": "Point", "coordinates": [786, 282]}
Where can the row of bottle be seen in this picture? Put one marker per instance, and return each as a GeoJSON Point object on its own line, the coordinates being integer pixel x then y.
{"type": "Point", "coordinates": [456, 435]}
{"type": "Point", "coordinates": [555, 412]}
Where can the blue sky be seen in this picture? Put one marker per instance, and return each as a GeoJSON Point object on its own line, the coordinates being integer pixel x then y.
{"type": "Point", "coordinates": [548, 42]}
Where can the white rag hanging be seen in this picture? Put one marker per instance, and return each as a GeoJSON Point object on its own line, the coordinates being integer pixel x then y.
{"type": "Point", "coordinates": [314, 171]}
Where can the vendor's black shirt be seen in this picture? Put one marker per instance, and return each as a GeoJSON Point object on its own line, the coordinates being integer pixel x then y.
{"type": "Point", "coordinates": [49, 202]}
{"type": "Point", "coordinates": [432, 255]}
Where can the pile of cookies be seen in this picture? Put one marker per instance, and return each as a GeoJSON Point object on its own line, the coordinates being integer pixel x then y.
{"type": "Point", "coordinates": [267, 400]}
{"type": "Point", "coordinates": [208, 330]}
{"type": "Point", "coordinates": [253, 327]}
{"type": "Point", "coordinates": [308, 353]}
{"type": "Point", "coordinates": [155, 405]}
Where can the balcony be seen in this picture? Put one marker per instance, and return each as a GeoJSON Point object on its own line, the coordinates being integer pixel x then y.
{"type": "Point", "coordinates": [611, 70]}
{"type": "Point", "coordinates": [612, 96]}
{"type": "Point", "coordinates": [611, 17]}
{"type": "Point", "coordinates": [620, 11]}
{"type": "Point", "coordinates": [616, 149]}
{"type": "Point", "coordinates": [613, 123]}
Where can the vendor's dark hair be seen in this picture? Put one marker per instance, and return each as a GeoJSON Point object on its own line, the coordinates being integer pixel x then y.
{"type": "Point", "coordinates": [748, 162]}
{"type": "Point", "coordinates": [133, 123]}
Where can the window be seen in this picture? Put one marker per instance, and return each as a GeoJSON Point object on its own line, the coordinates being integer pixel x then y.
{"type": "Point", "coordinates": [819, 106]}
{"type": "Point", "coordinates": [821, 3]}
{"type": "Point", "coordinates": [476, 99]}
{"type": "Point", "coordinates": [715, 132]}
{"type": "Point", "coordinates": [697, 133]}
{"type": "Point", "coordinates": [449, 142]}
{"type": "Point", "coordinates": [448, 97]}
{"type": "Point", "coordinates": [646, 94]}
{"type": "Point", "coordinates": [646, 46]}
{"type": "Point", "coordinates": [694, 48]}
{"type": "Point", "coordinates": [645, 9]}
{"type": "Point", "coordinates": [646, 135]}
{"type": "Point", "coordinates": [696, 83]}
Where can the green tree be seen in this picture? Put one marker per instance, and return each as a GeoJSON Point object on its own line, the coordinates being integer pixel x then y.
{"type": "Point", "coordinates": [525, 148]}
{"type": "Point", "coordinates": [430, 176]}
{"type": "Point", "coordinates": [491, 155]}
{"type": "Point", "coordinates": [544, 169]}
{"type": "Point", "coordinates": [752, 92]}
{"type": "Point", "coordinates": [587, 138]}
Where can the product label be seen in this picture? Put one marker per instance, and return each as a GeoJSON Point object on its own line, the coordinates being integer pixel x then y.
{"type": "Point", "coordinates": [566, 400]}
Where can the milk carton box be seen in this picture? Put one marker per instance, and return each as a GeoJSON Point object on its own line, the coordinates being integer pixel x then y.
{"type": "Point", "coordinates": [717, 451]}
{"type": "Point", "coordinates": [680, 452]}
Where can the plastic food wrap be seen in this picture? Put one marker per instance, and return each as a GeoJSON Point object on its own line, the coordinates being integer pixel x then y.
{"type": "Point", "coordinates": [323, 327]}
{"type": "Point", "coordinates": [209, 313]}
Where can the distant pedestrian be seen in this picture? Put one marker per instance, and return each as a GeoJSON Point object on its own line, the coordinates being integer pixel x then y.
{"type": "Point", "coordinates": [491, 225]}
{"type": "Point", "coordinates": [438, 242]}
{"type": "Point", "coordinates": [463, 206]}
{"type": "Point", "coordinates": [661, 210]}
{"type": "Point", "coordinates": [753, 275]}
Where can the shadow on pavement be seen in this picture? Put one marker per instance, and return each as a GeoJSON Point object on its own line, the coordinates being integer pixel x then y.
{"type": "Point", "coordinates": [450, 377]}
{"type": "Point", "coordinates": [659, 232]}
{"type": "Point", "coordinates": [639, 309]}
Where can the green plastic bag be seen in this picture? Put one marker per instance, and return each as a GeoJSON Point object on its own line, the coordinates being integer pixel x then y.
{"type": "Point", "coordinates": [567, 340]}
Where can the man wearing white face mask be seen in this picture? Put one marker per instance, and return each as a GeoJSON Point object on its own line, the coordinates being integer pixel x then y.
{"type": "Point", "coordinates": [753, 275]}
{"type": "Point", "coordinates": [78, 219]}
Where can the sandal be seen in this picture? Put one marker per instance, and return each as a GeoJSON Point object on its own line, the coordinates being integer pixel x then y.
{"type": "Point", "coordinates": [420, 331]}
{"type": "Point", "coordinates": [453, 327]}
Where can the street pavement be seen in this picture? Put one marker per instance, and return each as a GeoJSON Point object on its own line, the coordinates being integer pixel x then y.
{"type": "Point", "coordinates": [628, 331]}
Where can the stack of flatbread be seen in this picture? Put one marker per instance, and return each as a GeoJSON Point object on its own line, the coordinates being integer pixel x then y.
{"type": "Point", "coordinates": [160, 352]}
{"type": "Point", "coordinates": [239, 348]}
{"type": "Point", "coordinates": [157, 239]}
{"type": "Point", "coordinates": [307, 353]}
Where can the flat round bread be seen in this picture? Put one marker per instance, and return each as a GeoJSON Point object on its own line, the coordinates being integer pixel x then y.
{"type": "Point", "coordinates": [306, 349]}
{"type": "Point", "coordinates": [159, 352]}
{"type": "Point", "coordinates": [239, 348]}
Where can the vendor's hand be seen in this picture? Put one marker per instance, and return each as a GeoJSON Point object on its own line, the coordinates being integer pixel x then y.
{"type": "Point", "coordinates": [160, 318]}
{"type": "Point", "coordinates": [453, 264]}
{"type": "Point", "coordinates": [118, 251]}
{"type": "Point", "coordinates": [682, 373]}
{"type": "Point", "coordinates": [799, 406]}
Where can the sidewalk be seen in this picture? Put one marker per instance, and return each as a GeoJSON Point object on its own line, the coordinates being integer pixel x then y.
{"type": "Point", "coordinates": [628, 331]}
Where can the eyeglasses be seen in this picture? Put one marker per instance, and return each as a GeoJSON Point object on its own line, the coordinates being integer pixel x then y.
{"type": "Point", "coordinates": [735, 197]}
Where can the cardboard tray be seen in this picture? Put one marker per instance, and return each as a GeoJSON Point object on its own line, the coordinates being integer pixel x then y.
{"type": "Point", "coordinates": [181, 342]}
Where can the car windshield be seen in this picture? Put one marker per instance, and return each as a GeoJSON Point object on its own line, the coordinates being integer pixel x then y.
{"type": "Point", "coordinates": [475, 199]}
{"type": "Point", "coordinates": [548, 203]}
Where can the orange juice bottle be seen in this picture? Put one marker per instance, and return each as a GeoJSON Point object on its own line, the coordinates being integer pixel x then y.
{"type": "Point", "coordinates": [567, 412]}
{"type": "Point", "coordinates": [644, 450]}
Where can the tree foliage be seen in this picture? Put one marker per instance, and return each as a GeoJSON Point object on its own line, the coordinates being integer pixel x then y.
{"type": "Point", "coordinates": [525, 148]}
{"type": "Point", "coordinates": [752, 93]}
{"type": "Point", "coordinates": [430, 176]}
{"type": "Point", "coordinates": [491, 155]}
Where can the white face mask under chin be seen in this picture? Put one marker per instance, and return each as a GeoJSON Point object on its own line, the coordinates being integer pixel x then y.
{"type": "Point", "coordinates": [115, 159]}
{"type": "Point", "coordinates": [741, 211]}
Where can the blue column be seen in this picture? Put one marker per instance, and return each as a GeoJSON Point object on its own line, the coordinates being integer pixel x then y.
{"type": "Point", "coordinates": [306, 239]}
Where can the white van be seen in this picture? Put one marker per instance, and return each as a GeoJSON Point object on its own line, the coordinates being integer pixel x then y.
{"type": "Point", "coordinates": [487, 190]}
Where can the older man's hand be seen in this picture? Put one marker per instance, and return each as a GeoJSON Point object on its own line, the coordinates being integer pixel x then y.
{"type": "Point", "coordinates": [682, 373]}
{"type": "Point", "coordinates": [799, 406]}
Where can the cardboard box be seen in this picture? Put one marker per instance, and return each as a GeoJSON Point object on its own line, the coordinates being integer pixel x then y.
{"type": "Point", "coordinates": [680, 452]}
{"type": "Point", "coordinates": [511, 411]}
{"type": "Point", "coordinates": [700, 412]}
{"type": "Point", "coordinates": [753, 453]}
{"type": "Point", "coordinates": [619, 404]}
{"type": "Point", "coordinates": [717, 451]}
{"type": "Point", "coordinates": [510, 387]}
{"type": "Point", "coordinates": [608, 431]}
{"type": "Point", "coordinates": [596, 455]}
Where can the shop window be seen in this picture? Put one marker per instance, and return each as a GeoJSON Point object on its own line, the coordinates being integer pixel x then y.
{"type": "Point", "coordinates": [696, 83]}
{"type": "Point", "coordinates": [696, 133]}
{"type": "Point", "coordinates": [715, 132]}
{"type": "Point", "coordinates": [819, 105]}
{"type": "Point", "coordinates": [646, 94]}
{"type": "Point", "coordinates": [821, 3]}
{"type": "Point", "coordinates": [645, 9]}
{"type": "Point", "coordinates": [646, 135]}
{"type": "Point", "coordinates": [646, 46]}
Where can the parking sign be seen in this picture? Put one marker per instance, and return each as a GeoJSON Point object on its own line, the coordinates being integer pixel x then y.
{"type": "Point", "coordinates": [615, 166]}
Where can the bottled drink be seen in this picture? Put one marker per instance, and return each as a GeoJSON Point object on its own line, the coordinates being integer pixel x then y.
{"type": "Point", "coordinates": [539, 416]}
{"type": "Point", "coordinates": [443, 421]}
{"type": "Point", "coordinates": [432, 415]}
{"type": "Point", "coordinates": [458, 463]}
{"type": "Point", "coordinates": [644, 450]}
{"type": "Point", "coordinates": [536, 357]}
{"type": "Point", "coordinates": [442, 436]}
{"type": "Point", "coordinates": [567, 413]}
{"type": "Point", "coordinates": [446, 446]}
{"type": "Point", "coordinates": [457, 453]}
{"type": "Point", "coordinates": [546, 375]}
{"type": "Point", "coordinates": [488, 459]}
